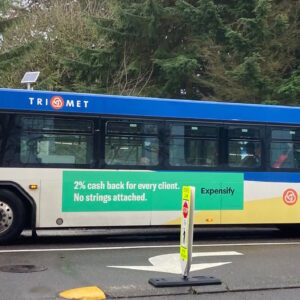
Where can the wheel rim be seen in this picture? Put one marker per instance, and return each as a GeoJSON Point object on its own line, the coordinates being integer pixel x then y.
{"type": "Point", "coordinates": [6, 216]}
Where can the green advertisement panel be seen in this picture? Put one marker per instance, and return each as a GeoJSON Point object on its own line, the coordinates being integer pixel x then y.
{"type": "Point", "coordinates": [85, 191]}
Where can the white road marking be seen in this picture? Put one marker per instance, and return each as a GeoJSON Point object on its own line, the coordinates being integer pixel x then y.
{"type": "Point", "coordinates": [220, 253]}
{"type": "Point", "coordinates": [143, 247]}
{"type": "Point", "coordinates": [170, 263]}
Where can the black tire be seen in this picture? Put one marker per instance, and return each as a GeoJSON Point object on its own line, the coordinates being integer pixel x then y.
{"type": "Point", "coordinates": [12, 216]}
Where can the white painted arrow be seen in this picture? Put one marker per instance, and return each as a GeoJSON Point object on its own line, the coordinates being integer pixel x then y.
{"type": "Point", "coordinates": [170, 263]}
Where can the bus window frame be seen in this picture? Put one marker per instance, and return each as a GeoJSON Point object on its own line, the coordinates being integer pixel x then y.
{"type": "Point", "coordinates": [159, 124]}
{"type": "Point", "coordinates": [279, 140]}
{"type": "Point", "coordinates": [225, 139]}
{"type": "Point", "coordinates": [164, 136]}
{"type": "Point", "coordinates": [17, 163]}
{"type": "Point", "coordinates": [168, 136]}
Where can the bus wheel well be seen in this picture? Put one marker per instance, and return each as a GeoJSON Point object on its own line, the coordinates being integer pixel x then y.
{"type": "Point", "coordinates": [26, 200]}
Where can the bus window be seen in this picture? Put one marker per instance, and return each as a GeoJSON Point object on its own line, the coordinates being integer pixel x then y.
{"type": "Point", "coordinates": [131, 128]}
{"type": "Point", "coordinates": [46, 124]}
{"type": "Point", "coordinates": [55, 149]}
{"type": "Point", "coordinates": [56, 141]}
{"type": "Point", "coordinates": [244, 147]}
{"type": "Point", "coordinates": [245, 154]}
{"type": "Point", "coordinates": [128, 151]}
{"type": "Point", "coordinates": [193, 145]}
{"type": "Point", "coordinates": [131, 143]}
{"type": "Point", "coordinates": [9, 140]}
{"type": "Point", "coordinates": [3, 130]}
{"type": "Point", "coordinates": [243, 132]}
{"type": "Point", "coordinates": [284, 155]}
{"type": "Point", "coordinates": [285, 148]}
{"type": "Point", "coordinates": [297, 155]}
{"type": "Point", "coordinates": [291, 134]}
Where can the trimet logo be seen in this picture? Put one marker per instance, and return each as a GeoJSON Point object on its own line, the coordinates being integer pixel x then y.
{"type": "Point", "coordinates": [57, 102]}
{"type": "Point", "coordinates": [290, 196]}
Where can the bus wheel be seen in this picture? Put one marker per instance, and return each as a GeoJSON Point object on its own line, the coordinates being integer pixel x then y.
{"type": "Point", "coordinates": [12, 216]}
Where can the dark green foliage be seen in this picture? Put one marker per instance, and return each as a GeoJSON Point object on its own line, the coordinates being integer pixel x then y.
{"type": "Point", "coordinates": [289, 89]}
{"type": "Point", "coordinates": [246, 51]}
{"type": "Point", "coordinates": [9, 60]}
{"type": "Point", "coordinates": [5, 21]}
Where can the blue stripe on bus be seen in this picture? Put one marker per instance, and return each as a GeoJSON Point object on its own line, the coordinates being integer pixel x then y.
{"type": "Point", "coordinates": [147, 107]}
{"type": "Point", "coordinates": [272, 176]}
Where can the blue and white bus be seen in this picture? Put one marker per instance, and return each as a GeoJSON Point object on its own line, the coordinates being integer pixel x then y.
{"type": "Point", "coordinates": [80, 160]}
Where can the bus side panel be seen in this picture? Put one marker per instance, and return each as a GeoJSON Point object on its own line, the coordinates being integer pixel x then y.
{"type": "Point", "coordinates": [267, 203]}
{"type": "Point", "coordinates": [79, 203]}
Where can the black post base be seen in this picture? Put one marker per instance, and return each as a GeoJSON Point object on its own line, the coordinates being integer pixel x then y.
{"type": "Point", "coordinates": [179, 281]}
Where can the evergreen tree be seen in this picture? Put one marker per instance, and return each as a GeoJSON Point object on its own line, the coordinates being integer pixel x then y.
{"type": "Point", "coordinates": [37, 41]}
{"type": "Point", "coordinates": [246, 51]}
{"type": "Point", "coordinates": [153, 49]}
{"type": "Point", "coordinates": [4, 19]}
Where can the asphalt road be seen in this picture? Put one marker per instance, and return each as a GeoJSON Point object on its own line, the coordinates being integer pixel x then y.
{"type": "Point", "coordinates": [255, 263]}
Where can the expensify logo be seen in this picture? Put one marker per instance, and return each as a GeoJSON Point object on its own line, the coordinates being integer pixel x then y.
{"type": "Point", "coordinates": [57, 102]}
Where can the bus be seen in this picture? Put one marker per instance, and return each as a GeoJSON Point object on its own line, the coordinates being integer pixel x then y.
{"type": "Point", "coordinates": [71, 160]}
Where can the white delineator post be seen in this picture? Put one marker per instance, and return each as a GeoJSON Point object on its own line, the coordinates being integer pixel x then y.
{"type": "Point", "coordinates": [186, 244]}
{"type": "Point", "coordinates": [187, 229]}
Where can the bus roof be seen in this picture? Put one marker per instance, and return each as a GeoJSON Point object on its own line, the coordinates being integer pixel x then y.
{"type": "Point", "coordinates": [62, 102]}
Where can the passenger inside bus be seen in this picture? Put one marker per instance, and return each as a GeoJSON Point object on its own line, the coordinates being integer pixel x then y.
{"type": "Point", "coordinates": [285, 159]}
{"type": "Point", "coordinates": [252, 158]}
{"type": "Point", "coordinates": [144, 161]}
